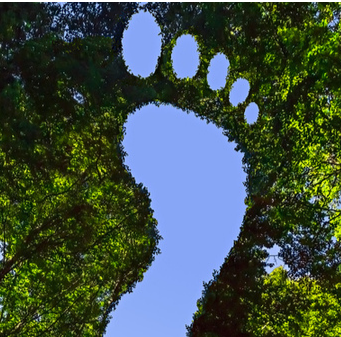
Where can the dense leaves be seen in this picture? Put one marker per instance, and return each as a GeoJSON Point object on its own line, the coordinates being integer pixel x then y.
{"type": "Point", "coordinates": [77, 232]}
{"type": "Point", "coordinates": [290, 308]}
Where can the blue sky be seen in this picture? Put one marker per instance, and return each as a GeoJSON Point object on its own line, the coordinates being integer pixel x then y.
{"type": "Point", "coordinates": [195, 179]}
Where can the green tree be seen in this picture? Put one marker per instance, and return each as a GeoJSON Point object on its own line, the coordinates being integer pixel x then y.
{"type": "Point", "coordinates": [77, 232]}
{"type": "Point", "coordinates": [295, 308]}
{"type": "Point", "coordinates": [293, 185]}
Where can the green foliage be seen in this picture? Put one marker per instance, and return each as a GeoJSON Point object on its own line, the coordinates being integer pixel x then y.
{"type": "Point", "coordinates": [301, 308]}
{"type": "Point", "coordinates": [290, 157]}
{"type": "Point", "coordinates": [77, 232]}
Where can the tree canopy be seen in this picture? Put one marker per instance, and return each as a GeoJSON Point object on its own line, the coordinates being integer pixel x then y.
{"type": "Point", "coordinates": [77, 231]}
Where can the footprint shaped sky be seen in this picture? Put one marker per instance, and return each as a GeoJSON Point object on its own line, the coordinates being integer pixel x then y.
{"type": "Point", "coordinates": [142, 44]}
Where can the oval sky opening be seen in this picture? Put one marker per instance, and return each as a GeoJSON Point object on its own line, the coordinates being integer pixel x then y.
{"type": "Point", "coordinates": [239, 91]}
{"type": "Point", "coordinates": [195, 179]}
{"type": "Point", "coordinates": [251, 113]}
{"type": "Point", "coordinates": [185, 56]}
{"type": "Point", "coordinates": [217, 71]}
{"type": "Point", "coordinates": [141, 44]}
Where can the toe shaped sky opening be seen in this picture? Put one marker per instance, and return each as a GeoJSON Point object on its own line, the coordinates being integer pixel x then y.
{"type": "Point", "coordinates": [142, 44]}
{"type": "Point", "coordinates": [240, 91]}
{"type": "Point", "coordinates": [218, 71]}
{"type": "Point", "coordinates": [185, 57]}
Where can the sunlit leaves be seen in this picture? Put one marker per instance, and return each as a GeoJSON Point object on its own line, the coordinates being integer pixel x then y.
{"type": "Point", "coordinates": [77, 232]}
{"type": "Point", "coordinates": [292, 308]}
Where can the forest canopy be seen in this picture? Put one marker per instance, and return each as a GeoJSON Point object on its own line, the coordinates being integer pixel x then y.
{"type": "Point", "coordinates": [77, 231]}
